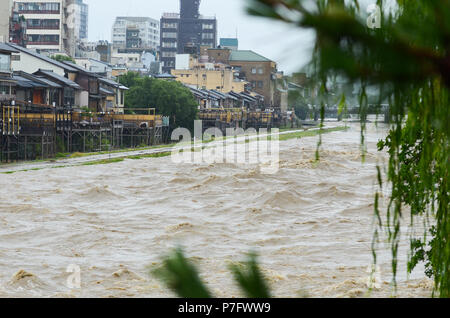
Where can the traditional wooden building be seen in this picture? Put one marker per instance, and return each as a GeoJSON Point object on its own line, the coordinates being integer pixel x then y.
{"type": "Point", "coordinates": [7, 82]}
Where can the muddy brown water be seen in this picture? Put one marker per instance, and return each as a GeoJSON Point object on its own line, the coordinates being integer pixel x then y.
{"type": "Point", "coordinates": [311, 224]}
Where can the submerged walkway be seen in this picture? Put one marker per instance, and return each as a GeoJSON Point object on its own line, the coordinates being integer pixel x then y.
{"type": "Point", "coordinates": [118, 154]}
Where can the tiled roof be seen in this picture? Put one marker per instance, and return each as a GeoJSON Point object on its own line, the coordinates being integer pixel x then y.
{"type": "Point", "coordinates": [247, 56]}
{"type": "Point", "coordinates": [105, 91]}
{"type": "Point", "coordinates": [109, 82]}
{"type": "Point", "coordinates": [229, 42]}
{"type": "Point", "coordinates": [60, 78]}
{"type": "Point", "coordinates": [28, 83]}
{"type": "Point", "coordinates": [165, 75]}
{"type": "Point", "coordinates": [42, 57]}
{"type": "Point", "coordinates": [136, 19]}
{"type": "Point", "coordinates": [5, 48]}
{"type": "Point", "coordinates": [80, 68]}
{"type": "Point", "coordinates": [48, 82]}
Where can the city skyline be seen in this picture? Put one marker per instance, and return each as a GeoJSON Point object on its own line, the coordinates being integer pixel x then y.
{"type": "Point", "coordinates": [289, 48]}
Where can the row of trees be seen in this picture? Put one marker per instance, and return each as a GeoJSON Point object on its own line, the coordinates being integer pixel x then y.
{"type": "Point", "coordinates": [169, 98]}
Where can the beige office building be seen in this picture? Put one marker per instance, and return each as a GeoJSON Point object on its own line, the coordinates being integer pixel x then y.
{"type": "Point", "coordinates": [208, 76]}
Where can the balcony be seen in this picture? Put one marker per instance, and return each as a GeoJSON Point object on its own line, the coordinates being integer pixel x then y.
{"type": "Point", "coordinates": [43, 43]}
{"type": "Point", "coordinates": [17, 26]}
{"type": "Point", "coordinates": [7, 97]}
{"type": "Point", "coordinates": [43, 27]}
{"type": "Point", "coordinates": [39, 12]}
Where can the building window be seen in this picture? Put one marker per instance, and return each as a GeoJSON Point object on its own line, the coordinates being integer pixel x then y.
{"type": "Point", "coordinates": [260, 71]}
{"type": "Point", "coordinates": [169, 44]}
{"type": "Point", "coordinates": [169, 54]}
{"type": "Point", "coordinates": [260, 84]}
{"type": "Point", "coordinates": [5, 63]}
{"type": "Point", "coordinates": [49, 24]}
{"type": "Point", "coordinates": [170, 25]}
{"type": "Point", "coordinates": [69, 97]}
{"type": "Point", "coordinates": [254, 70]}
{"type": "Point", "coordinates": [39, 7]}
{"type": "Point", "coordinates": [208, 36]}
{"type": "Point", "coordinates": [43, 39]}
{"type": "Point", "coordinates": [208, 26]}
{"type": "Point", "coordinates": [5, 90]}
{"type": "Point", "coordinates": [169, 35]}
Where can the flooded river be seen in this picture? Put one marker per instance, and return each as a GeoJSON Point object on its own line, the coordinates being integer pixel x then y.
{"type": "Point", "coordinates": [311, 224]}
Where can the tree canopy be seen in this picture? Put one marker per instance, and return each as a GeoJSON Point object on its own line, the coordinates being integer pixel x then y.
{"type": "Point", "coordinates": [407, 60]}
{"type": "Point", "coordinates": [63, 58]}
{"type": "Point", "coordinates": [169, 98]}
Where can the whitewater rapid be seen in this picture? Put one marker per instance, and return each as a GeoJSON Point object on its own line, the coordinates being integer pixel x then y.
{"type": "Point", "coordinates": [311, 224]}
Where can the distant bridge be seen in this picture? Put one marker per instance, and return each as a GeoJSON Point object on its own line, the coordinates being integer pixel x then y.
{"type": "Point", "coordinates": [372, 109]}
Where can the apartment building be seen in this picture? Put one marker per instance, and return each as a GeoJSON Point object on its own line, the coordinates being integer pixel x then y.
{"type": "Point", "coordinates": [18, 29]}
{"type": "Point", "coordinates": [185, 32]}
{"type": "Point", "coordinates": [257, 70]}
{"type": "Point", "coordinates": [99, 50]}
{"type": "Point", "coordinates": [206, 76]}
{"type": "Point", "coordinates": [81, 19]}
{"type": "Point", "coordinates": [252, 67]}
{"type": "Point", "coordinates": [138, 33]}
{"type": "Point", "coordinates": [49, 24]}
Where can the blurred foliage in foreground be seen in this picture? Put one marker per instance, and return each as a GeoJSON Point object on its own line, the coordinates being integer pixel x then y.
{"type": "Point", "coordinates": [407, 61]}
{"type": "Point", "coordinates": [183, 279]}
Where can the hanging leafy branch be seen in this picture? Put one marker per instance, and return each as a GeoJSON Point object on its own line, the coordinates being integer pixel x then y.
{"type": "Point", "coordinates": [182, 277]}
{"type": "Point", "coordinates": [408, 61]}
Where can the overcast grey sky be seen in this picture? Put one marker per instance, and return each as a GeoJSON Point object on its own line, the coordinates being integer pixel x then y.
{"type": "Point", "coordinates": [289, 48]}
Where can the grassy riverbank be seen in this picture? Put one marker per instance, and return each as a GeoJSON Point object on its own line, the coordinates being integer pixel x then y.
{"type": "Point", "coordinates": [310, 133]}
{"type": "Point", "coordinates": [117, 157]}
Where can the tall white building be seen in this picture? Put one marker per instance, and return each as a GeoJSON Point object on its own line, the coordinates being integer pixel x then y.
{"type": "Point", "coordinates": [135, 33]}
{"type": "Point", "coordinates": [5, 13]}
{"type": "Point", "coordinates": [81, 19]}
{"type": "Point", "coordinates": [50, 26]}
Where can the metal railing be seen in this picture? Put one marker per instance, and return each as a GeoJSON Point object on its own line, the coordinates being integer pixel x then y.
{"type": "Point", "coordinates": [10, 120]}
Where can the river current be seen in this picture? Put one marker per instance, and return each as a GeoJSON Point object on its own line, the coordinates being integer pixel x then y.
{"type": "Point", "coordinates": [311, 224]}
